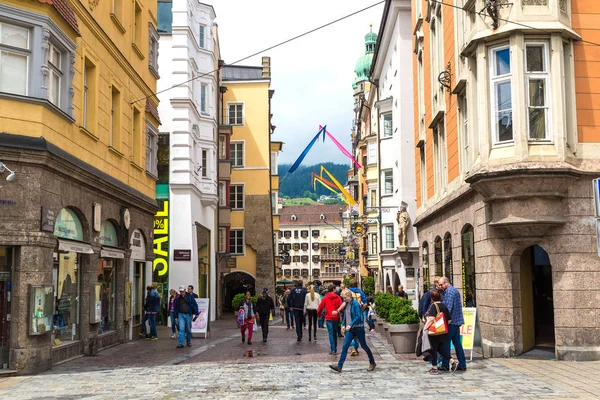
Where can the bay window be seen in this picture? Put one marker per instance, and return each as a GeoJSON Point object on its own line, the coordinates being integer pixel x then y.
{"type": "Point", "coordinates": [501, 95]}
{"type": "Point", "coordinates": [14, 58]}
{"type": "Point", "coordinates": [54, 84]}
{"type": "Point", "coordinates": [537, 82]}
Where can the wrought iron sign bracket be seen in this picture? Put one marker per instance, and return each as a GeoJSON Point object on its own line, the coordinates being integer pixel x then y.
{"type": "Point", "coordinates": [445, 77]}
{"type": "Point", "coordinates": [491, 10]}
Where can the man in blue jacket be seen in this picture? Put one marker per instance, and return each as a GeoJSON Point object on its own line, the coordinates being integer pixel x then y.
{"type": "Point", "coordinates": [152, 308]}
{"type": "Point", "coordinates": [354, 326]}
{"type": "Point", "coordinates": [296, 303]}
{"type": "Point", "coordinates": [185, 307]}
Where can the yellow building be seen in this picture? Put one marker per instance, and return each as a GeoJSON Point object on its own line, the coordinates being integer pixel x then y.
{"type": "Point", "coordinates": [247, 110]}
{"type": "Point", "coordinates": [79, 134]}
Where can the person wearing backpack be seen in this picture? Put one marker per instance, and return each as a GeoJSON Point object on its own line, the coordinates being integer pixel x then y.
{"type": "Point", "coordinates": [185, 307]}
{"type": "Point", "coordinates": [438, 342]}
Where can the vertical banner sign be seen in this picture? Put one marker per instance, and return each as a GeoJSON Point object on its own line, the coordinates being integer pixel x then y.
{"type": "Point", "coordinates": [160, 266]}
{"type": "Point", "coordinates": [201, 323]}
{"type": "Point", "coordinates": [467, 330]}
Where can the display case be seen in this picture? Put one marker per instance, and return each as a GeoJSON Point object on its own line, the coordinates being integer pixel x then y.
{"type": "Point", "coordinates": [41, 309]}
{"type": "Point", "coordinates": [96, 304]}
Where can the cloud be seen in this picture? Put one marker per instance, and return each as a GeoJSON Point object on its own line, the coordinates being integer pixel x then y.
{"type": "Point", "coordinates": [312, 76]}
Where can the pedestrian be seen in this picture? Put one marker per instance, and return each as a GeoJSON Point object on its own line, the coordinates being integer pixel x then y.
{"type": "Point", "coordinates": [438, 342]}
{"type": "Point", "coordinates": [426, 300]}
{"type": "Point", "coordinates": [390, 290]}
{"type": "Point", "coordinates": [354, 327]}
{"type": "Point", "coordinates": [289, 314]}
{"type": "Point", "coordinates": [264, 307]}
{"type": "Point", "coordinates": [370, 313]}
{"type": "Point", "coordinates": [361, 299]}
{"type": "Point", "coordinates": [185, 308]}
{"type": "Point", "coordinates": [321, 315]}
{"type": "Point", "coordinates": [296, 304]}
{"type": "Point", "coordinates": [249, 317]}
{"type": "Point", "coordinates": [401, 293]}
{"type": "Point", "coordinates": [152, 308]}
{"type": "Point", "coordinates": [453, 302]}
{"type": "Point", "coordinates": [330, 303]}
{"type": "Point", "coordinates": [172, 302]}
{"type": "Point", "coordinates": [144, 332]}
{"type": "Point", "coordinates": [190, 290]}
{"type": "Point", "coordinates": [311, 304]}
{"type": "Point", "coordinates": [281, 308]}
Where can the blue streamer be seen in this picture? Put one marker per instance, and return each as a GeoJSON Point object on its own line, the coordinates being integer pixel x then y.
{"type": "Point", "coordinates": [306, 150]}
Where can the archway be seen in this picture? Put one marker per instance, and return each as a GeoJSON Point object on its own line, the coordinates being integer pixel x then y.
{"type": "Point", "coordinates": [234, 283]}
{"type": "Point", "coordinates": [396, 281]}
{"type": "Point", "coordinates": [537, 305]}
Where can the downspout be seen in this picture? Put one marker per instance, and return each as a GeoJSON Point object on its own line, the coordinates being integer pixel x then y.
{"type": "Point", "coordinates": [220, 64]}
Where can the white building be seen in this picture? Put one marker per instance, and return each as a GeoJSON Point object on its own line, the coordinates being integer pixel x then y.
{"type": "Point", "coordinates": [189, 53]}
{"type": "Point", "coordinates": [393, 118]}
{"type": "Point", "coordinates": [310, 242]}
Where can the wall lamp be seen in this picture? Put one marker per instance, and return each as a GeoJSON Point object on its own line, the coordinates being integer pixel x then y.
{"type": "Point", "coordinates": [11, 177]}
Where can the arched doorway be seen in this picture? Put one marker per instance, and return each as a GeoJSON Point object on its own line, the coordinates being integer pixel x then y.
{"type": "Point", "coordinates": [537, 305]}
{"type": "Point", "coordinates": [468, 266]}
{"type": "Point", "coordinates": [234, 283]}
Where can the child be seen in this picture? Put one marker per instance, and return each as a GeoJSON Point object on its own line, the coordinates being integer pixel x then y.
{"type": "Point", "coordinates": [370, 312]}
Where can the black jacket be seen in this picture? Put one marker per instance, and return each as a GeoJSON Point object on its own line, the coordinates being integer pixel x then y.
{"type": "Point", "coordinates": [296, 298]}
{"type": "Point", "coordinates": [264, 305]}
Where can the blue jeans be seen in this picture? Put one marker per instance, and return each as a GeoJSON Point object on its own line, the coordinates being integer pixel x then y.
{"type": "Point", "coordinates": [152, 323]}
{"type": "Point", "coordinates": [322, 319]}
{"type": "Point", "coordinates": [289, 317]}
{"type": "Point", "coordinates": [370, 322]}
{"type": "Point", "coordinates": [332, 329]}
{"type": "Point", "coordinates": [173, 325]}
{"type": "Point", "coordinates": [355, 333]}
{"type": "Point", "coordinates": [454, 337]}
{"type": "Point", "coordinates": [185, 327]}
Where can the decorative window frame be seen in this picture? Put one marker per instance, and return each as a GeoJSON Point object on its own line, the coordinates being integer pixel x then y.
{"type": "Point", "coordinates": [493, 80]}
{"type": "Point", "coordinates": [546, 76]}
{"type": "Point", "coordinates": [153, 49]}
{"type": "Point", "coordinates": [44, 32]}
{"type": "Point", "coordinates": [233, 160]}
{"type": "Point", "coordinates": [231, 204]}
{"type": "Point", "coordinates": [151, 149]}
{"type": "Point", "coordinates": [232, 248]}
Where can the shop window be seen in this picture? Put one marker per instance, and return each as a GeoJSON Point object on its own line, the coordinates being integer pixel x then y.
{"type": "Point", "coordinates": [425, 266]}
{"type": "Point", "coordinates": [448, 272]}
{"type": "Point", "coordinates": [67, 292]}
{"type": "Point", "coordinates": [137, 298]}
{"type": "Point", "coordinates": [468, 267]}
{"type": "Point", "coordinates": [163, 158]}
{"type": "Point", "coordinates": [437, 256]}
{"type": "Point", "coordinates": [107, 277]}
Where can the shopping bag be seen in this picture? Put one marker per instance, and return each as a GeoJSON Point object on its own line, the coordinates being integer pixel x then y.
{"type": "Point", "coordinates": [440, 325]}
{"type": "Point", "coordinates": [270, 316]}
{"type": "Point", "coordinates": [255, 328]}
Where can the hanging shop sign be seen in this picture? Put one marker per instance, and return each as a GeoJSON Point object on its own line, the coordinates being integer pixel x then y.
{"type": "Point", "coordinates": [75, 247]}
{"type": "Point", "coordinates": [111, 253]}
{"type": "Point", "coordinates": [232, 262]}
{"type": "Point", "coordinates": [358, 228]}
{"type": "Point", "coordinates": [68, 225]}
{"type": "Point", "coordinates": [137, 246]}
{"type": "Point", "coordinates": [161, 239]}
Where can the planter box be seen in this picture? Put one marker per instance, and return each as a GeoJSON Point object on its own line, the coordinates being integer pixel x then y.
{"type": "Point", "coordinates": [386, 327]}
{"type": "Point", "coordinates": [403, 337]}
{"type": "Point", "coordinates": [379, 326]}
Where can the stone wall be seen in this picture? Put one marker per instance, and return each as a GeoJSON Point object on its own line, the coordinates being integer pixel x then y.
{"type": "Point", "coordinates": [259, 236]}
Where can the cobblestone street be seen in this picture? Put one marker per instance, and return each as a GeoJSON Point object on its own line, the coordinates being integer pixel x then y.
{"type": "Point", "coordinates": [283, 368]}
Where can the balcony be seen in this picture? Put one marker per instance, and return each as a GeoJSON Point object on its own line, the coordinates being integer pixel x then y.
{"type": "Point", "coordinates": [332, 275]}
{"type": "Point", "coordinates": [332, 257]}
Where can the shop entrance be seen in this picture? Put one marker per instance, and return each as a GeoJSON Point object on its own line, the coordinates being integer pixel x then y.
{"type": "Point", "coordinates": [537, 303]}
{"type": "Point", "coordinates": [5, 282]}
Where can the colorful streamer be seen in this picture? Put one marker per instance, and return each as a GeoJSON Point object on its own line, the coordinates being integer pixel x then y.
{"type": "Point", "coordinates": [317, 179]}
{"type": "Point", "coordinates": [306, 150]}
{"type": "Point", "coordinates": [338, 185]}
{"type": "Point", "coordinates": [339, 146]}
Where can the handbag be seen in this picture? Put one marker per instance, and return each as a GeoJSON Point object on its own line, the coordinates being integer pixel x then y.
{"type": "Point", "coordinates": [440, 324]}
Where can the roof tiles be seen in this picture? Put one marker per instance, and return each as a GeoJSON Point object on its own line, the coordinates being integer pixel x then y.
{"type": "Point", "coordinates": [310, 214]}
{"type": "Point", "coordinates": [65, 11]}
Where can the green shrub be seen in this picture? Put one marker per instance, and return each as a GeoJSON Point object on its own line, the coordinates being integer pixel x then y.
{"type": "Point", "coordinates": [368, 285]}
{"type": "Point", "coordinates": [237, 300]}
{"type": "Point", "coordinates": [383, 303]}
{"type": "Point", "coordinates": [402, 312]}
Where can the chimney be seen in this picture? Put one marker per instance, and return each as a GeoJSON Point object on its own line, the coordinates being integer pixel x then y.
{"type": "Point", "coordinates": [266, 67]}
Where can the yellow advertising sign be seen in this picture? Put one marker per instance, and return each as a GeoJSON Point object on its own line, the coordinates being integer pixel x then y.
{"type": "Point", "coordinates": [467, 330]}
{"type": "Point", "coordinates": [161, 240]}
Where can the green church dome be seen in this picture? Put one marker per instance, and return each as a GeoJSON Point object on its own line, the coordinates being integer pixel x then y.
{"type": "Point", "coordinates": [363, 64]}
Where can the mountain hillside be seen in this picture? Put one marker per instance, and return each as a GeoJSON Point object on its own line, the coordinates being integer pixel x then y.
{"type": "Point", "coordinates": [297, 184]}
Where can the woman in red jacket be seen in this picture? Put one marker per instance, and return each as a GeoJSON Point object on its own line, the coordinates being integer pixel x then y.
{"type": "Point", "coordinates": [331, 302]}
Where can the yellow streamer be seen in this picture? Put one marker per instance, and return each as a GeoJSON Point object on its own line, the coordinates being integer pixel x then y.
{"type": "Point", "coordinates": [317, 179]}
{"type": "Point", "coordinates": [350, 201]}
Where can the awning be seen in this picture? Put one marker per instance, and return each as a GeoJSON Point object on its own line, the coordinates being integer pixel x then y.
{"type": "Point", "coordinates": [77, 247]}
{"type": "Point", "coordinates": [112, 253]}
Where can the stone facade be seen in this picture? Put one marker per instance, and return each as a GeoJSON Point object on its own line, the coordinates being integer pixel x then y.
{"type": "Point", "coordinates": [49, 177]}
{"type": "Point", "coordinates": [551, 209]}
{"type": "Point", "coordinates": [259, 236]}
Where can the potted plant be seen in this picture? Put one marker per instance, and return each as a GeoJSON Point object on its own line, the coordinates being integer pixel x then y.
{"type": "Point", "coordinates": [403, 326]}
{"type": "Point", "coordinates": [383, 302]}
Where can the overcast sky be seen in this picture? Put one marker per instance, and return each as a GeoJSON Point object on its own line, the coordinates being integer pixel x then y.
{"type": "Point", "coordinates": [312, 76]}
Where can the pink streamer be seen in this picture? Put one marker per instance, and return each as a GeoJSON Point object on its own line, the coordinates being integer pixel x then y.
{"type": "Point", "coordinates": [342, 149]}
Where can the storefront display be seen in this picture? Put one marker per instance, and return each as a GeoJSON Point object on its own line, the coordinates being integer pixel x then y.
{"type": "Point", "coordinates": [40, 309]}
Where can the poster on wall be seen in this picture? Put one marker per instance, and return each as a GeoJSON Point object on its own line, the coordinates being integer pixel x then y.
{"type": "Point", "coordinates": [201, 323]}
